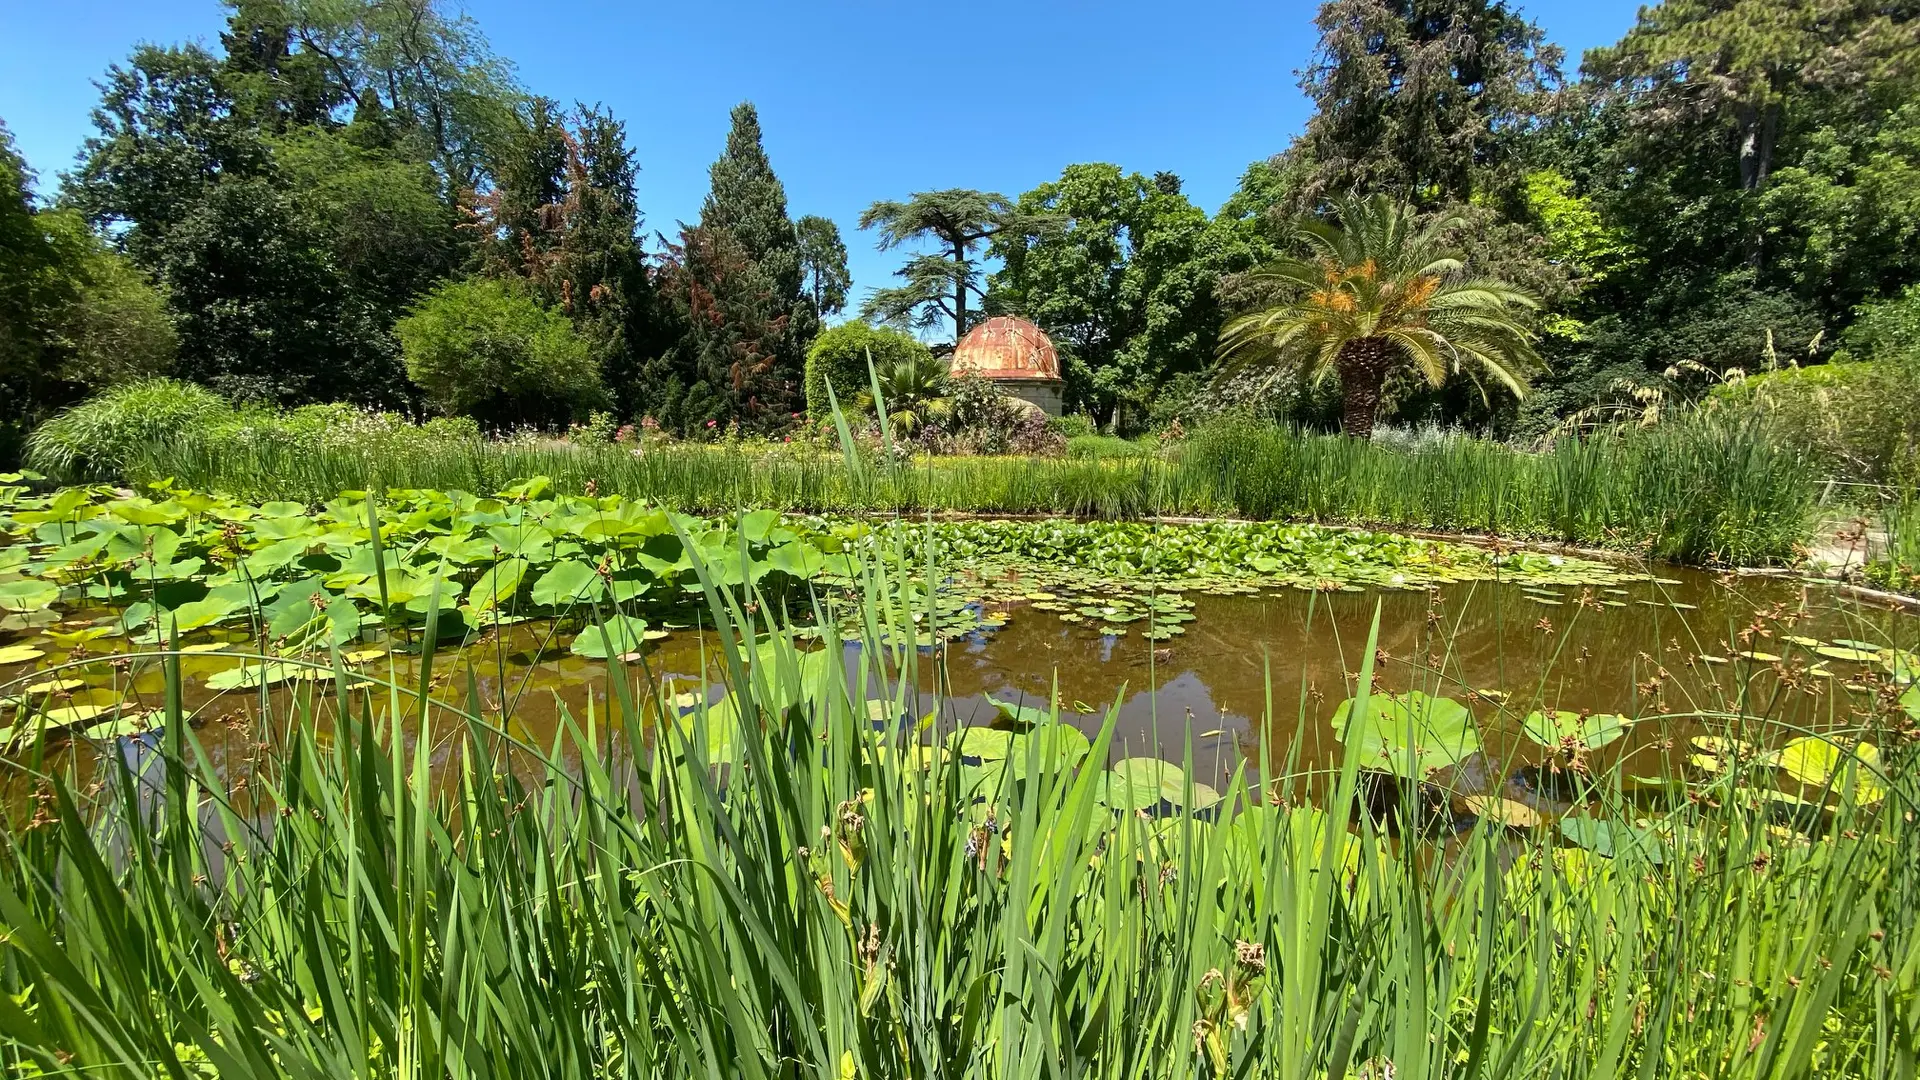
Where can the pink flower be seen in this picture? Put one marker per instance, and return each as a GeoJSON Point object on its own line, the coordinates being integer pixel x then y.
{"type": "Point", "coordinates": [713, 423]}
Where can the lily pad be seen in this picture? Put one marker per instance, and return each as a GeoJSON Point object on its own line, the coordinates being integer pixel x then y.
{"type": "Point", "coordinates": [1606, 838]}
{"type": "Point", "coordinates": [1140, 783]}
{"type": "Point", "coordinates": [28, 594]}
{"type": "Point", "coordinates": [1515, 815]}
{"type": "Point", "coordinates": [1059, 746]}
{"type": "Point", "coordinates": [1848, 653]}
{"type": "Point", "coordinates": [624, 632]}
{"type": "Point", "coordinates": [985, 743]}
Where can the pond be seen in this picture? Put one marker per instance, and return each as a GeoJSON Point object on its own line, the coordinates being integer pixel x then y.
{"type": "Point", "coordinates": [1244, 635]}
{"type": "Point", "coordinates": [1272, 661]}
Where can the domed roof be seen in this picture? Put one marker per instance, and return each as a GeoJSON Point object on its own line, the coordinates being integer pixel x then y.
{"type": "Point", "coordinates": [1006, 348]}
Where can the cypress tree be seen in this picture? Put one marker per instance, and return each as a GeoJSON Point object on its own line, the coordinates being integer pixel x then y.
{"type": "Point", "coordinates": [736, 283]}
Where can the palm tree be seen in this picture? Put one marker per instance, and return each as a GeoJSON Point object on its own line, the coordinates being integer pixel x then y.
{"type": "Point", "coordinates": [1379, 290]}
{"type": "Point", "coordinates": [915, 388]}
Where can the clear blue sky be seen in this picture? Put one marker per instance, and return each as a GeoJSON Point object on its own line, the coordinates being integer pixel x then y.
{"type": "Point", "coordinates": [859, 101]}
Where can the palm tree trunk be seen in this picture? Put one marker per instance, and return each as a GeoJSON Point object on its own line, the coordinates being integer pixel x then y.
{"type": "Point", "coordinates": [1362, 365]}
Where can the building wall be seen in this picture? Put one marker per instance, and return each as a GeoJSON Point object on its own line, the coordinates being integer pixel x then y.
{"type": "Point", "coordinates": [1043, 394]}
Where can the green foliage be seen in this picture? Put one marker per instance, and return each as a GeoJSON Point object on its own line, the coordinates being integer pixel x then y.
{"type": "Point", "coordinates": [1090, 445]}
{"type": "Point", "coordinates": [1577, 235]}
{"type": "Point", "coordinates": [915, 390]}
{"type": "Point", "coordinates": [1073, 425]}
{"type": "Point", "coordinates": [117, 327]}
{"type": "Point", "coordinates": [1855, 419]}
{"type": "Point", "coordinates": [1705, 488]}
{"type": "Point", "coordinates": [733, 285]}
{"type": "Point", "coordinates": [74, 314]}
{"type": "Point", "coordinates": [1422, 101]}
{"type": "Point", "coordinates": [1273, 927]}
{"type": "Point", "coordinates": [823, 264]}
{"type": "Point", "coordinates": [100, 438]}
{"type": "Point", "coordinates": [1888, 330]}
{"type": "Point", "coordinates": [1377, 292]}
{"type": "Point", "coordinates": [479, 348]}
{"type": "Point", "coordinates": [839, 355]}
{"type": "Point", "coordinates": [1119, 270]}
{"type": "Point", "coordinates": [566, 223]}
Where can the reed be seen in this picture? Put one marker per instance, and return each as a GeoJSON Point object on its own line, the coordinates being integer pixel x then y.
{"type": "Point", "coordinates": [1702, 490]}
{"type": "Point", "coordinates": [776, 886]}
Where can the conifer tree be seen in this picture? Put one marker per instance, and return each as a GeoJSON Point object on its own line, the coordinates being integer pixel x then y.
{"type": "Point", "coordinates": [735, 284]}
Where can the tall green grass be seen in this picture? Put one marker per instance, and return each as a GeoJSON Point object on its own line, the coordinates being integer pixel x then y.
{"type": "Point", "coordinates": [404, 889]}
{"type": "Point", "coordinates": [1704, 489]}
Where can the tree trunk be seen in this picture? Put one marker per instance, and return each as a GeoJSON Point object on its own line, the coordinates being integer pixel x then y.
{"type": "Point", "coordinates": [959, 292]}
{"type": "Point", "coordinates": [1362, 365]}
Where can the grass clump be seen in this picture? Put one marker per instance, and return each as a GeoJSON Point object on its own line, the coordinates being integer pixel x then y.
{"type": "Point", "coordinates": [101, 438]}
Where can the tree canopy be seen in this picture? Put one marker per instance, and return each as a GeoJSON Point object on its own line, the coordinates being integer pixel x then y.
{"type": "Point", "coordinates": [936, 285]}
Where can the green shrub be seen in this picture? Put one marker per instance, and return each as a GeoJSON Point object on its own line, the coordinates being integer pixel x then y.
{"type": "Point", "coordinates": [97, 439]}
{"type": "Point", "coordinates": [1855, 419]}
{"type": "Point", "coordinates": [1073, 426]}
{"type": "Point", "coordinates": [480, 348]}
{"type": "Point", "coordinates": [840, 355]}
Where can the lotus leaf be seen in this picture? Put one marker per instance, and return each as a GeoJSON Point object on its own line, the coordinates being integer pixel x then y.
{"type": "Point", "coordinates": [798, 559]}
{"type": "Point", "coordinates": [1030, 715]}
{"type": "Point", "coordinates": [28, 595]}
{"type": "Point", "coordinates": [1606, 838]}
{"type": "Point", "coordinates": [1059, 746]}
{"type": "Point", "coordinates": [1408, 735]}
{"type": "Point", "coordinates": [985, 743]}
{"type": "Point", "coordinates": [623, 632]}
{"type": "Point", "coordinates": [497, 585]}
{"type": "Point", "coordinates": [570, 581]}
{"type": "Point", "coordinates": [1589, 731]}
{"type": "Point", "coordinates": [1820, 763]}
{"type": "Point", "coordinates": [204, 612]}
{"type": "Point", "coordinates": [1141, 783]}
{"type": "Point", "coordinates": [19, 654]}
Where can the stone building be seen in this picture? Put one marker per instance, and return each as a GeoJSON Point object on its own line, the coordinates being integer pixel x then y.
{"type": "Point", "coordinates": [1017, 356]}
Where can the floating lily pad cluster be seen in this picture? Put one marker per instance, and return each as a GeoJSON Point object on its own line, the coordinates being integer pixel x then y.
{"type": "Point", "coordinates": [1219, 555]}
{"type": "Point", "coordinates": [88, 567]}
{"type": "Point", "coordinates": [1112, 608]}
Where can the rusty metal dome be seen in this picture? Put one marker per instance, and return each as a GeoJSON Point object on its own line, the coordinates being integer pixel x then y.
{"type": "Point", "coordinates": [1006, 348]}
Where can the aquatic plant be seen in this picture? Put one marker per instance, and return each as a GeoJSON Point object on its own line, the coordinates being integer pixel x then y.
{"type": "Point", "coordinates": [1702, 489]}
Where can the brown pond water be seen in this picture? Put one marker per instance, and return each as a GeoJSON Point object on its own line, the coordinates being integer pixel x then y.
{"type": "Point", "coordinates": [1670, 649]}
